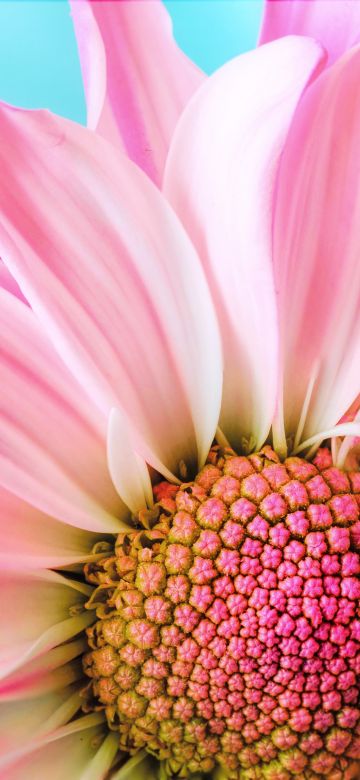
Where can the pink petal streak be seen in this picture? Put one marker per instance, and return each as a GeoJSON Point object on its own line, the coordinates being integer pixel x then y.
{"type": "Point", "coordinates": [137, 80]}
{"type": "Point", "coordinates": [334, 23]}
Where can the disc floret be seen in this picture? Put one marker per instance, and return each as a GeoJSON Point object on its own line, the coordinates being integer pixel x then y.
{"type": "Point", "coordinates": [228, 629]}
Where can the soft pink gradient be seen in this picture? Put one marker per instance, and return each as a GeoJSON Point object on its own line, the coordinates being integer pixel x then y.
{"type": "Point", "coordinates": [114, 279]}
{"type": "Point", "coordinates": [222, 185]}
{"type": "Point", "coordinates": [137, 80]}
{"type": "Point", "coordinates": [334, 23]}
{"type": "Point", "coordinates": [261, 205]}
{"type": "Point", "coordinates": [316, 219]}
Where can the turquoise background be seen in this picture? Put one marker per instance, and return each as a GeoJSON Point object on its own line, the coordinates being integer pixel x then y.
{"type": "Point", "coordinates": [39, 66]}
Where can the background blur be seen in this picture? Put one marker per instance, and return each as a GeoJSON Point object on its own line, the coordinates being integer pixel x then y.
{"type": "Point", "coordinates": [38, 59]}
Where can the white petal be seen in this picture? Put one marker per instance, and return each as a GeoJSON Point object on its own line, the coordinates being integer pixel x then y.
{"type": "Point", "coordinates": [316, 251]}
{"type": "Point", "coordinates": [52, 452]}
{"type": "Point", "coordinates": [114, 279]}
{"type": "Point", "coordinates": [221, 178]}
{"type": "Point", "coordinates": [38, 611]}
{"type": "Point", "coordinates": [128, 470]}
{"type": "Point", "coordinates": [51, 671]}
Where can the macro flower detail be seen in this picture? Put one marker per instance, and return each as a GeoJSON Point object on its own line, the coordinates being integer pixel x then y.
{"type": "Point", "coordinates": [179, 438]}
{"type": "Point", "coordinates": [228, 627]}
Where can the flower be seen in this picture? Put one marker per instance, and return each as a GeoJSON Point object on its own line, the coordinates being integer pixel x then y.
{"type": "Point", "coordinates": [157, 320]}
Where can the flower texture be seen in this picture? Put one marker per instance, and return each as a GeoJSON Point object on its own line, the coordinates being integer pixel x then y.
{"type": "Point", "coordinates": [180, 557]}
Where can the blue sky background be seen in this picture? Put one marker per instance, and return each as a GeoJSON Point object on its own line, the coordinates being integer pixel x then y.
{"type": "Point", "coordinates": [39, 67]}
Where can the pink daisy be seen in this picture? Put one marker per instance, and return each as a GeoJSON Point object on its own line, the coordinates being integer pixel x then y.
{"type": "Point", "coordinates": [180, 558]}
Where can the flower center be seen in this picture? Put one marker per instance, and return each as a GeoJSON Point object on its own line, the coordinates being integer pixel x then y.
{"type": "Point", "coordinates": [228, 629]}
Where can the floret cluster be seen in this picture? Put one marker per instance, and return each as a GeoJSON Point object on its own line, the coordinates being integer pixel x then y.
{"type": "Point", "coordinates": [228, 626]}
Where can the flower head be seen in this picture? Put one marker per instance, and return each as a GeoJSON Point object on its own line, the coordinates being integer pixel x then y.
{"type": "Point", "coordinates": [233, 637]}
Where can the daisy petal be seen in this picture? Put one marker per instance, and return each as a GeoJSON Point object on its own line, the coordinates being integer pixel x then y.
{"type": "Point", "coordinates": [110, 272]}
{"type": "Point", "coordinates": [23, 722]}
{"type": "Point", "coordinates": [136, 78]}
{"type": "Point", "coordinates": [51, 454]}
{"type": "Point", "coordinates": [220, 177]}
{"type": "Point", "coordinates": [128, 471]}
{"type": "Point", "coordinates": [66, 756]}
{"type": "Point", "coordinates": [49, 611]}
{"type": "Point", "coordinates": [138, 767]}
{"type": "Point", "coordinates": [347, 450]}
{"type": "Point", "coordinates": [7, 282]}
{"type": "Point", "coordinates": [51, 671]}
{"type": "Point", "coordinates": [335, 24]}
{"type": "Point", "coordinates": [316, 257]}
{"type": "Point", "coordinates": [32, 539]}
{"type": "Point", "coordinates": [103, 759]}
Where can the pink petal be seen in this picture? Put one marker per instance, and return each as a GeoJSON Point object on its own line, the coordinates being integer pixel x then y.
{"type": "Point", "coordinates": [52, 454]}
{"type": "Point", "coordinates": [316, 252]}
{"type": "Point", "coordinates": [51, 671]}
{"type": "Point", "coordinates": [220, 176]}
{"type": "Point", "coordinates": [348, 450]}
{"type": "Point", "coordinates": [335, 24]}
{"type": "Point", "coordinates": [136, 78]}
{"type": "Point", "coordinates": [111, 274]}
{"type": "Point", "coordinates": [66, 756]}
{"type": "Point", "coordinates": [36, 614]}
{"type": "Point", "coordinates": [129, 472]}
{"type": "Point", "coordinates": [24, 722]}
{"type": "Point", "coordinates": [30, 538]}
{"type": "Point", "coordinates": [7, 282]}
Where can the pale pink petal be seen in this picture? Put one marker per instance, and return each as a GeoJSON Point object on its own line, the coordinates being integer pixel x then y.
{"type": "Point", "coordinates": [348, 450]}
{"type": "Point", "coordinates": [31, 539]}
{"type": "Point", "coordinates": [38, 611]}
{"type": "Point", "coordinates": [334, 23]}
{"type": "Point", "coordinates": [220, 177]}
{"type": "Point", "coordinates": [92, 59]}
{"type": "Point", "coordinates": [128, 470]}
{"type": "Point", "coordinates": [67, 755]}
{"type": "Point", "coordinates": [7, 282]}
{"type": "Point", "coordinates": [111, 274]}
{"type": "Point", "coordinates": [92, 55]}
{"type": "Point", "coordinates": [51, 671]}
{"type": "Point", "coordinates": [349, 457]}
{"type": "Point", "coordinates": [345, 452]}
{"type": "Point", "coordinates": [341, 429]}
{"type": "Point", "coordinates": [136, 78]}
{"type": "Point", "coordinates": [352, 411]}
{"type": "Point", "coordinates": [51, 453]}
{"type": "Point", "coordinates": [316, 252]}
{"type": "Point", "coordinates": [22, 722]}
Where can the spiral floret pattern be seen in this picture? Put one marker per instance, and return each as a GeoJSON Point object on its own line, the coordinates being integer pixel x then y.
{"type": "Point", "coordinates": [228, 627]}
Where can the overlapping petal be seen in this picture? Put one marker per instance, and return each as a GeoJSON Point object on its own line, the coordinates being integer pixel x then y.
{"type": "Point", "coordinates": [51, 671]}
{"type": "Point", "coordinates": [70, 752]}
{"type": "Point", "coordinates": [21, 723]}
{"type": "Point", "coordinates": [137, 81]}
{"type": "Point", "coordinates": [30, 538]}
{"type": "Point", "coordinates": [138, 767]}
{"type": "Point", "coordinates": [49, 611]}
{"type": "Point", "coordinates": [335, 23]}
{"type": "Point", "coordinates": [114, 279]}
{"type": "Point", "coordinates": [316, 252]}
{"type": "Point", "coordinates": [129, 472]}
{"type": "Point", "coordinates": [52, 451]}
{"type": "Point", "coordinates": [7, 282]}
{"type": "Point", "coordinates": [221, 177]}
